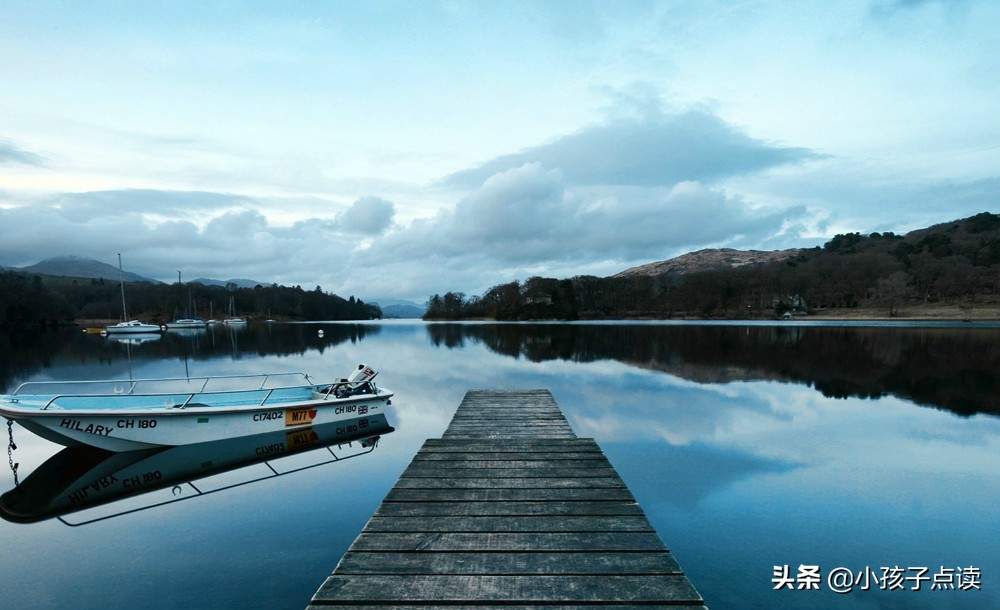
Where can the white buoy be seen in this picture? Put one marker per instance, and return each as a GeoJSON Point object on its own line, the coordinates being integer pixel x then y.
{"type": "Point", "coordinates": [320, 333]}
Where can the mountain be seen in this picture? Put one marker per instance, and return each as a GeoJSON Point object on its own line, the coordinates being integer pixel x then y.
{"type": "Point", "coordinates": [709, 260]}
{"type": "Point", "coordinates": [240, 283]}
{"type": "Point", "coordinates": [952, 268]}
{"type": "Point", "coordinates": [75, 266]}
{"type": "Point", "coordinates": [403, 311]}
{"type": "Point", "coordinates": [397, 308]}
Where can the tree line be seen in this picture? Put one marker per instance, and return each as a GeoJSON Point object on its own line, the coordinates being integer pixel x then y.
{"type": "Point", "coordinates": [955, 263]}
{"type": "Point", "coordinates": [34, 300]}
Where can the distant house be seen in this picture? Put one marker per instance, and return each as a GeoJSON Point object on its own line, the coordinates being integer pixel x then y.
{"type": "Point", "coordinates": [538, 300]}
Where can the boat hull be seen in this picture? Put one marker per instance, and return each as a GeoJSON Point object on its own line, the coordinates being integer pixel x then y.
{"type": "Point", "coordinates": [170, 426]}
{"type": "Point", "coordinates": [119, 329]}
{"type": "Point", "coordinates": [186, 323]}
{"type": "Point", "coordinates": [79, 478]}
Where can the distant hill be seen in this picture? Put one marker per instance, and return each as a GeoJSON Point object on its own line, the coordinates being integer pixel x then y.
{"type": "Point", "coordinates": [403, 311]}
{"type": "Point", "coordinates": [88, 268]}
{"type": "Point", "coordinates": [240, 283]}
{"type": "Point", "coordinates": [398, 308]}
{"type": "Point", "coordinates": [953, 265]}
{"type": "Point", "coordinates": [710, 260]}
{"type": "Point", "coordinates": [75, 266]}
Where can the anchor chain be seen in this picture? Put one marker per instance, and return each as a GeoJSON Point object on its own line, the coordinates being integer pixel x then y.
{"type": "Point", "coordinates": [10, 451]}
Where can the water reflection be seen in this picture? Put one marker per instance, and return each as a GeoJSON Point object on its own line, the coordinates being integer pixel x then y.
{"type": "Point", "coordinates": [948, 368]}
{"type": "Point", "coordinates": [719, 431]}
{"type": "Point", "coordinates": [25, 353]}
{"type": "Point", "coordinates": [82, 478]}
{"type": "Point", "coordinates": [952, 368]}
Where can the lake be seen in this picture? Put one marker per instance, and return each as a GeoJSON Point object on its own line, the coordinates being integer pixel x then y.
{"type": "Point", "coordinates": [763, 454]}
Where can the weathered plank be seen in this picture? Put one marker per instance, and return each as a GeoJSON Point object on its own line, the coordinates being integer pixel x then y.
{"type": "Point", "coordinates": [560, 523]}
{"type": "Point", "coordinates": [421, 606]}
{"type": "Point", "coordinates": [494, 606]}
{"type": "Point", "coordinates": [508, 509]}
{"type": "Point", "coordinates": [518, 445]}
{"type": "Point", "coordinates": [592, 542]}
{"type": "Point", "coordinates": [508, 563]}
{"type": "Point", "coordinates": [510, 482]}
{"type": "Point", "coordinates": [547, 457]}
{"type": "Point", "coordinates": [489, 589]}
{"type": "Point", "coordinates": [541, 494]}
{"type": "Point", "coordinates": [505, 509]}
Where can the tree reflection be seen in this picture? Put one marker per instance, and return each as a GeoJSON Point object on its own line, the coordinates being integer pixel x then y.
{"type": "Point", "coordinates": [957, 369]}
{"type": "Point", "coordinates": [24, 353]}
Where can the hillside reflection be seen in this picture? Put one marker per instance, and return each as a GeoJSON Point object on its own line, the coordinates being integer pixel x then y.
{"type": "Point", "coordinates": [23, 353]}
{"type": "Point", "coordinates": [957, 369]}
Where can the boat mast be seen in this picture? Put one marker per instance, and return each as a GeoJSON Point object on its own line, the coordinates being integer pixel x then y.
{"type": "Point", "coordinates": [121, 280]}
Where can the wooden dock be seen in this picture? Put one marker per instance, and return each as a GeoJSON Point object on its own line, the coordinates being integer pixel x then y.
{"type": "Point", "coordinates": [509, 509]}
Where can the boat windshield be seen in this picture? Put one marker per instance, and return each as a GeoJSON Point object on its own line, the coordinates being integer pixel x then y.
{"type": "Point", "coordinates": [194, 385]}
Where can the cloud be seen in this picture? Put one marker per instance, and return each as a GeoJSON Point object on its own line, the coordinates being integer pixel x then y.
{"type": "Point", "coordinates": [854, 196]}
{"type": "Point", "coordinates": [905, 4]}
{"type": "Point", "coordinates": [83, 206]}
{"type": "Point", "coordinates": [887, 8]}
{"type": "Point", "coordinates": [368, 216]}
{"type": "Point", "coordinates": [528, 221]}
{"type": "Point", "coordinates": [11, 153]}
{"type": "Point", "coordinates": [655, 149]}
{"type": "Point", "coordinates": [529, 214]}
{"type": "Point", "coordinates": [213, 235]}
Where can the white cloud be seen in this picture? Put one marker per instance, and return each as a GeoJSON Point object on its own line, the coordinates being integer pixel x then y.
{"type": "Point", "coordinates": [653, 149]}
{"type": "Point", "coordinates": [10, 153]}
{"type": "Point", "coordinates": [368, 216]}
{"type": "Point", "coordinates": [527, 220]}
{"type": "Point", "coordinates": [515, 140]}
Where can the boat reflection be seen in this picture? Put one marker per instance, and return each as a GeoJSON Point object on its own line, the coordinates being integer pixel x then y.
{"type": "Point", "coordinates": [134, 338]}
{"type": "Point", "coordinates": [89, 480]}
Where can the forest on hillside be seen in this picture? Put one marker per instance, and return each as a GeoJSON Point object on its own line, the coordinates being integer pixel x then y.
{"type": "Point", "coordinates": [956, 263]}
{"type": "Point", "coordinates": [35, 300]}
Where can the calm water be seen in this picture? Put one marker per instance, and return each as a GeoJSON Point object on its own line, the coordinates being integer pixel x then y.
{"type": "Point", "coordinates": [748, 446]}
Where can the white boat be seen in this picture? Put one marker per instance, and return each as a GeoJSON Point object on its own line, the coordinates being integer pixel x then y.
{"type": "Point", "coordinates": [84, 478]}
{"type": "Point", "coordinates": [129, 326]}
{"type": "Point", "coordinates": [233, 320]}
{"type": "Point", "coordinates": [187, 323]}
{"type": "Point", "coordinates": [134, 326]}
{"type": "Point", "coordinates": [124, 415]}
{"type": "Point", "coordinates": [134, 338]}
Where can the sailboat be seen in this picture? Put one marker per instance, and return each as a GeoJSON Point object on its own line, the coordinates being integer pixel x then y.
{"type": "Point", "coordinates": [188, 321]}
{"type": "Point", "coordinates": [128, 326]}
{"type": "Point", "coordinates": [232, 320]}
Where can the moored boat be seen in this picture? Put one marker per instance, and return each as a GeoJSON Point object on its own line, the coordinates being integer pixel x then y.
{"type": "Point", "coordinates": [81, 478]}
{"type": "Point", "coordinates": [132, 326]}
{"type": "Point", "coordinates": [187, 323]}
{"type": "Point", "coordinates": [124, 415]}
{"type": "Point", "coordinates": [233, 319]}
{"type": "Point", "coordinates": [126, 325]}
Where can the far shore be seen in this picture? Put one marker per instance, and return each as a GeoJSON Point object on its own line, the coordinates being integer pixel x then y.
{"type": "Point", "coordinates": [988, 312]}
{"type": "Point", "coordinates": [937, 312]}
{"type": "Point", "coordinates": [916, 312]}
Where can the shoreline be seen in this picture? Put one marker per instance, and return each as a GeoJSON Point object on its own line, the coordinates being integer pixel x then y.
{"type": "Point", "coordinates": [985, 313]}
{"type": "Point", "coordinates": [940, 313]}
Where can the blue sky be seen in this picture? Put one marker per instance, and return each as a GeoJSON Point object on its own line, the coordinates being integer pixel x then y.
{"type": "Point", "coordinates": [400, 149]}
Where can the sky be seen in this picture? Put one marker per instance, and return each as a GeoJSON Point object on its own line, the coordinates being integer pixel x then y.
{"type": "Point", "coordinates": [396, 150]}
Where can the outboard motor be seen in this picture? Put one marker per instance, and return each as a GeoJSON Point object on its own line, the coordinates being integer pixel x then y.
{"type": "Point", "coordinates": [362, 375]}
{"type": "Point", "coordinates": [359, 382]}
